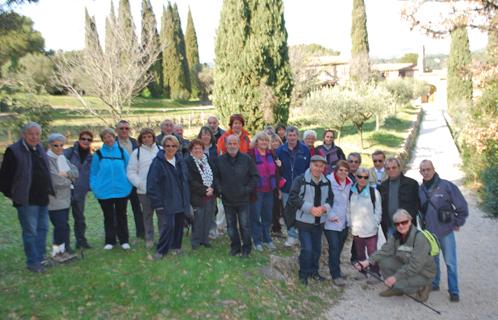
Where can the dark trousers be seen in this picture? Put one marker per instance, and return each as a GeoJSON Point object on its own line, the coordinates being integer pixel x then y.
{"type": "Point", "coordinates": [370, 244]}
{"type": "Point", "coordinates": [171, 232]}
{"type": "Point", "coordinates": [336, 241]}
{"type": "Point", "coordinates": [276, 213]}
{"type": "Point", "coordinates": [203, 218]}
{"type": "Point", "coordinates": [115, 220]}
{"type": "Point", "coordinates": [60, 220]}
{"type": "Point", "coordinates": [239, 226]}
{"type": "Point", "coordinates": [78, 209]}
{"type": "Point", "coordinates": [311, 249]}
{"type": "Point", "coordinates": [137, 213]}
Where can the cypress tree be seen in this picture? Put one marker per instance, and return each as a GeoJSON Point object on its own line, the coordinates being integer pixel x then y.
{"type": "Point", "coordinates": [360, 63]}
{"type": "Point", "coordinates": [149, 33]}
{"type": "Point", "coordinates": [180, 40]}
{"type": "Point", "coordinates": [192, 53]}
{"type": "Point", "coordinates": [91, 35]}
{"type": "Point", "coordinates": [252, 74]}
{"type": "Point", "coordinates": [125, 22]}
{"type": "Point", "coordinates": [459, 86]}
{"type": "Point", "coordinates": [175, 69]}
{"type": "Point", "coordinates": [110, 24]}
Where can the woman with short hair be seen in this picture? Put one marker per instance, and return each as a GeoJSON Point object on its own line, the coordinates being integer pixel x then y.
{"type": "Point", "coordinates": [168, 191]}
{"type": "Point", "coordinates": [202, 194]}
{"type": "Point", "coordinates": [63, 174]}
{"type": "Point", "coordinates": [111, 187]}
{"type": "Point", "coordinates": [137, 171]}
{"type": "Point", "coordinates": [208, 139]}
{"type": "Point", "coordinates": [236, 124]}
{"type": "Point", "coordinates": [309, 138]}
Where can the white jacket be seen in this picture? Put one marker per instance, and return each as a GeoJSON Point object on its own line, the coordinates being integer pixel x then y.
{"type": "Point", "coordinates": [364, 221]}
{"type": "Point", "coordinates": [139, 168]}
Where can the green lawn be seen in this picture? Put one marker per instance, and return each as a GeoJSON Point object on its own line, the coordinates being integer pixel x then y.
{"type": "Point", "coordinates": [207, 283]}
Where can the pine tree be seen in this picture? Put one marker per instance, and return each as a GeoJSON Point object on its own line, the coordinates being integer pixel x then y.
{"type": "Point", "coordinates": [91, 35]}
{"type": "Point", "coordinates": [192, 52]}
{"type": "Point", "coordinates": [149, 33]}
{"type": "Point", "coordinates": [252, 73]}
{"type": "Point", "coordinates": [459, 86]}
{"type": "Point", "coordinates": [175, 69]}
{"type": "Point", "coordinates": [360, 62]}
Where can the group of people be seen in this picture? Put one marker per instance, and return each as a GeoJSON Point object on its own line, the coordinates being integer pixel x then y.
{"type": "Point", "coordinates": [259, 181]}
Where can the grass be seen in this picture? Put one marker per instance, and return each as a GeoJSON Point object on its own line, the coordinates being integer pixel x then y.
{"type": "Point", "coordinates": [390, 137]}
{"type": "Point", "coordinates": [206, 283]}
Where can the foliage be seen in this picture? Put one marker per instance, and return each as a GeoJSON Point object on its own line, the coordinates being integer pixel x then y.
{"type": "Point", "coordinates": [206, 82]}
{"type": "Point", "coordinates": [360, 64]}
{"type": "Point", "coordinates": [313, 50]}
{"type": "Point", "coordinates": [409, 57]}
{"type": "Point", "coordinates": [401, 89]}
{"type": "Point", "coordinates": [175, 68]}
{"type": "Point", "coordinates": [252, 74]}
{"type": "Point", "coordinates": [149, 31]}
{"type": "Point", "coordinates": [459, 86]}
{"type": "Point", "coordinates": [192, 53]}
{"type": "Point", "coordinates": [17, 38]}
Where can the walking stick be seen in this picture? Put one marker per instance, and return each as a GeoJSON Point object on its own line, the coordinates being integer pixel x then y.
{"type": "Point", "coordinates": [373, 274]}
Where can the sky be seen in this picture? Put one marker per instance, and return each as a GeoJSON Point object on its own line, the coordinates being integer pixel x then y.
{"type": "Point", "coordinates": [325, 22]}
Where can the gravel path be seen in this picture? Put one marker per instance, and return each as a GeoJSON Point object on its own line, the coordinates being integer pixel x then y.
{"type": "Point", "coordinates": [476, 250]}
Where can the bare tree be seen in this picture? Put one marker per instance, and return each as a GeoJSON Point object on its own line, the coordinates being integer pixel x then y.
{"type": "Point", "coordinates": [437, 18]}
{"type": "Point", "coordinates": [118, 73]}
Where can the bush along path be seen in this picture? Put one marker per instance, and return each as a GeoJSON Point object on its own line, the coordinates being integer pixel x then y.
{"type": "Point", "coordinates": [476, 249]}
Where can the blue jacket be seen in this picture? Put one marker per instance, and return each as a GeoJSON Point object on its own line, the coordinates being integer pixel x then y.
{"type": "Point", "coordinates": [293, 167]}
{"type": "Point", "coordinates": [167, 185]}
{"type": "Point", "coordinates": [82, 184]}
{"type": "Point", "coordinates": [443, 195]}
{"type": "Point", "coordinates": [108, 178]}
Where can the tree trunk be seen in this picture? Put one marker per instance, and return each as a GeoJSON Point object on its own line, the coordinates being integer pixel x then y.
{"type": "Point", "coordinates": [377, 122]}
{"type": "Point", "coordinates": [361, 136]}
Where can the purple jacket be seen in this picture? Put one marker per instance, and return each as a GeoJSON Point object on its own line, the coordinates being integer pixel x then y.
{"type": "Point", "coordinates": [443, 195]}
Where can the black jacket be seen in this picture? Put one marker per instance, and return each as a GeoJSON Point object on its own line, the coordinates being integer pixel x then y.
{"type": "Point", "coordinates": [407, 196]}
{"type": "Point", "coordinates": [236, 178]}
{"type": "Point", "coordinates": [197, 188]}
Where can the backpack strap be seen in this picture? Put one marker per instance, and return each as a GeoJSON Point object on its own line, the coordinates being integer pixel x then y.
{"type": "Point", "coordinates": [99, 154]}
{"type": "Point", "coordinates": [372, 196]}
{"type": "Point", "coordinates": [138, 153]}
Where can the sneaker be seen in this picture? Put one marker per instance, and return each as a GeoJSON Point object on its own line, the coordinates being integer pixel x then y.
{"type": "Point", "coordinates": [158, 256]}
{"type": "Point", "coordinates": [149, 244]}
{"type": "Point", "coordinates": [391, 292]}
{"type": "Point", "coordinates": [126, 246]}
{"type": "Point", "coordinates": [339, 282]}
{"type": "Point", "coordinates": [423, 293]}
{"type": "Point", "coordinates": [290, 242]}
{"type": "Point", "coordinates": [270, 246]}
{"type": "Point", "coordinates": [108, 247]}
{"type": "Point", "coordinates": [454, 297]}
{"type": "Point", "coordinates": [318, 277]}
{"type": "Point", "coordinates": [258, 247]}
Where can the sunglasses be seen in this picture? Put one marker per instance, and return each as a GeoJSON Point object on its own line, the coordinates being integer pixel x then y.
{"type": "Point", "coordinates": [58, 145]}
{"type": "Point", "coordinates": [378, 161]}
{"type": "Point", "coordinates": [362, 177]}
{"type": "Point", "coordinates": [86, 139]}
{"type": "Point", "coordinates": [401, 223]}
{"type": "Point", "coordinates": [170, 146]}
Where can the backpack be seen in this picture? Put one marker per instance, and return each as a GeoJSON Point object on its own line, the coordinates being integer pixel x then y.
{"type": "Point", "coordinates": [101, 156]}
{"type": "Point", "coordinates": [433, 242]}
{"type": "Point", "coordinates": [372, 195]}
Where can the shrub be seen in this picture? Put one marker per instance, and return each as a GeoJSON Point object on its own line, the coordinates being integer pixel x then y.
{"type": "Point", "coordinates": [401, 89]}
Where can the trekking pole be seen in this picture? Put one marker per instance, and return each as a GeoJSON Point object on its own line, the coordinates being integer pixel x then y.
{"type": "Point", "coordinates": [373, 274]}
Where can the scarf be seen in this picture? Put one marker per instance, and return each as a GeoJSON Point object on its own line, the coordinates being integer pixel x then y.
{"type": "Point", "coordinates": [204, 170]}
{"type": "Point", "coordinates": [62, 164]}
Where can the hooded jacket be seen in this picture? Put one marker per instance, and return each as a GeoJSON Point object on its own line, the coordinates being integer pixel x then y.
{"type": "Point", "coordinates": [138, 168]}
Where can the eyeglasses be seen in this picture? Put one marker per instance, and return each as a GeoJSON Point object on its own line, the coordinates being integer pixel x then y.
{"type": "Point", "coordinates": [353, 161]}
{"type": "Point", "coordinates": [170, 146]}
{"type": "Point", "coordinates": [362, 177]}
{"type": "Point", "coordinates": [401, 223]}
{"type": "Point", "coordinates": [58, 145]}
{"type": "Point", "coordinates": [124, 128]}
{"type": "Point", "coordinates": [378, 161]}
{"type": "Point", "coordinates": [86, 139]}
{"type": "Point", "coordinates": [391, 168]}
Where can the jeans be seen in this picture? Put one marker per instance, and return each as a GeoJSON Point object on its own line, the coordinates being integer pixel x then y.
{"type": "Point", "coordinates": [239, 216]}
{"type": "Point", "coordinates": [115, 220]}
{"type": "Point", "coordinates": [261, 216]}
{"type": "Point", "coordinates": [78, 209]}
{"type": "Point", "coordinates": [448, 247]}
{"type": "Point", "coordinates": [336, 241]}
{"type": "Point", "coordinates": [148, 216]}
{"type": "Point", "coordinates": [137, 213]}
{"type": "Point", "coordinates": [34, 224]}
{"type": "Point", "coordinates": [171, 232]}
{"type": "Point", "coordinates": [292, 231]}
{"type": "Point", "coordinates": [311, 248]}
{"type": "Point", "coordinates": [60, 220]}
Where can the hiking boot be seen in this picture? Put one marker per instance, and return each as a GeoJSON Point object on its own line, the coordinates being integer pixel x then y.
{"type": "Point", "coordinates": [454, 297]}
{"type": "Point", "coordinates": [317, 277]}
{"type": "Point", "coordinates": [391, 292]}
{"type": "Point", "coordinates": [290, 242]}
{"type": "Point", "coordinates": [423, 294]}
{"type": "Point", "coordinates": [339, 282]}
